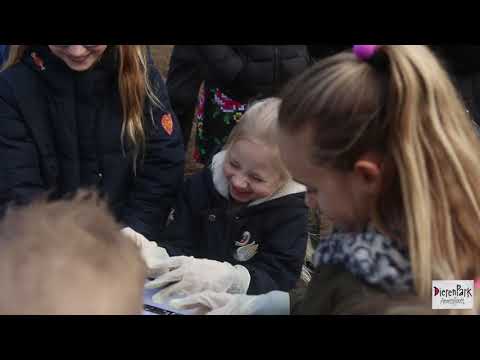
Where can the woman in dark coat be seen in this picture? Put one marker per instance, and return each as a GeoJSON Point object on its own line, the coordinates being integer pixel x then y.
{"type": "Point", "coordinates": [234, 77]}
{"type": "Point", "coordinates": [96, 116]}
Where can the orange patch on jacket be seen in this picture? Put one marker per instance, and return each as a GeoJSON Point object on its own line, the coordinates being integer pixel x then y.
{"type": "Point", "coordinates": [167, 123]}
{"type": "Point", "coordinates": [38, 61]}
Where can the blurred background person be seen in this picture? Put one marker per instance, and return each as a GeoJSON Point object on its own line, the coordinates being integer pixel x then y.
{"type": "Point", "coordinates": [183, 84]}
{"type": "Point", "coordinates": [234, 77]}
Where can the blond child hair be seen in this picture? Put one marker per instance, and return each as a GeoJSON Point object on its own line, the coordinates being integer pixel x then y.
{"type": "Point", "coordinates": [68, 257]}
{"type": "Point", "coordinates": [260, 124]}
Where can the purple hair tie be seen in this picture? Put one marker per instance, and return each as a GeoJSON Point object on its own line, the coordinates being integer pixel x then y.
{"type": "Point", "coordinates": [365, 52]}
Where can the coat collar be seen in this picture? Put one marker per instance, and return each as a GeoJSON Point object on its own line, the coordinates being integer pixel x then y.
{"type": "Point", "coordinates": [221, 184]}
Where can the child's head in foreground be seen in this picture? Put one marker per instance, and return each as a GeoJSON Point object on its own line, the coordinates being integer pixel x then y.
{"type": "Point", "coordinates": [68, 257]}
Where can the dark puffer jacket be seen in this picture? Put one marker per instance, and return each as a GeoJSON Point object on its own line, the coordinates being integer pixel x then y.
{"type": "Point", "coordinates": [183, 84]}
{"type": "Point", "coordinates": [244, 72]}
{"type": "Point", "coordinates": [320, 52]}
{"type": "Point", "coordinates": [60, 130]}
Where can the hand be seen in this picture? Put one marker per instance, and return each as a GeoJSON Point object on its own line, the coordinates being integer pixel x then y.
{"type": "Point", "coordinates": [154, 258]}
{"type": "Point", "coordinates": [214, 303]}
{"type": "Point", "coordinates": [139, 240]}
{"type": "Point", "coordinates": [188, 275]}
{"type": "Point", "coordinates": [152, 254]}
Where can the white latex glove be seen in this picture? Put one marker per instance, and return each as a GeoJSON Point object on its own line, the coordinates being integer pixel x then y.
{"type": "Point", "coordinates": [191, 275]}
{"type": "Point", "coordinates": [214, 303]}
{"type": "Point", "coordinates": [152, 254]}
{"type": "Point", "coordinates": [139, 240]}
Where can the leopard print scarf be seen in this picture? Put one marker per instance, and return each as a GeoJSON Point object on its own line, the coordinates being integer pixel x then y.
{"type": "Point", "coordinates": [370, 256]}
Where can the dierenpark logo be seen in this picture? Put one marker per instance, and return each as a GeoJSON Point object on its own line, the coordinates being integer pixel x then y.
{"type": "Point", "coordinates": [452, 294]}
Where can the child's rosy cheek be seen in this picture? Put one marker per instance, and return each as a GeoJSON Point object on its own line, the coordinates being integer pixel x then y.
{"type": "Point", "coordinates": [227, 171]}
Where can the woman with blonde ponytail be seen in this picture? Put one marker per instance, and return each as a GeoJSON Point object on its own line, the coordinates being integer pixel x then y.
{"type": "Point", "coordinates": [387, 150]}
{"type": "Point", "coordinates": [89, 116]}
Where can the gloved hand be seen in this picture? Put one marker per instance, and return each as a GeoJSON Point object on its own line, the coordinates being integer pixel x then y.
{"type": "Point", "coordinates": [191, 275]}
{"type": "Point", "coordinates": [152, 254]}
{"type": "Point", "coordinates": [139, 240]}
{"type": "Point", "coordinates": [214, 303]}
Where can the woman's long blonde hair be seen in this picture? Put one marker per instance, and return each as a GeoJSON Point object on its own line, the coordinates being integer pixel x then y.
{"type": "Point", "coordinates": [403, 105]}
{"type": "Point", "coordinates": [134, 88]}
